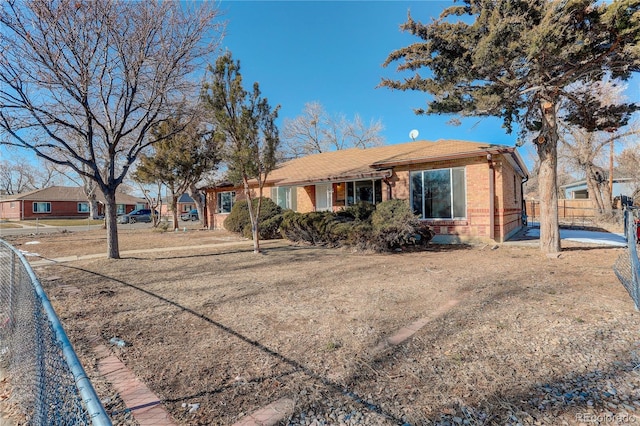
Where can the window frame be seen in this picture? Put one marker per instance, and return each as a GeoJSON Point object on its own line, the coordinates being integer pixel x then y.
{"type": "Point", "coordinates": [290, 199]}
{"type": "Point", "coordinates": [35, 209]}
{"type": "Point", "coordinates": [352, 191]}
{"type": "Point", "coordinates": [452, 193]}
{"type": "Point", "coordinates": [219, 203]}
{"type": "Point", "coordinates": [83, 203]}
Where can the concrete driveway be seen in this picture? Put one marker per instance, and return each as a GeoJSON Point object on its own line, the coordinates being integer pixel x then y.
{"type": "Point", "coordinates": [582, 236]}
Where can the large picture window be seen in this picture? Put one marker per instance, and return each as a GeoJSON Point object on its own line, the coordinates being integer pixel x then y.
{"type": "Point", "coordinates": [83, 207]}
{"type": "Point", "coordinates": [225, 201]}
{"type": "Point", "coordinates": [439, 194]}
{"type": "Point", "coordinates": [42, 207]}
{"type": "Point", "coordinates": [285, 197]}
{"type": "Point", "coordinates": [364, 190]}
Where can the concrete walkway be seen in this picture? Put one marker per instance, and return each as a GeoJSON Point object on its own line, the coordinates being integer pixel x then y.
{"type": "Point", "coordinates": [531, 236]}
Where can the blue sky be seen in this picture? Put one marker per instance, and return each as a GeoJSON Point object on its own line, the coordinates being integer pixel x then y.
{"type": "Point", "coordinates": [332, 52]}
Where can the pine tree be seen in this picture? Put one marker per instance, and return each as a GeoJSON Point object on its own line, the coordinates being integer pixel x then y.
{"type": "Point", "coordinates": [518, 60]}
{"type": "Point", "coordinates": [247, 122]}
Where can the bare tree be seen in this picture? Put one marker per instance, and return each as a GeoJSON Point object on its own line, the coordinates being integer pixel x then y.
{"type": "Point", "coordinates": [316, 131]}
{"type": "Point", "coordinates": [82, 82]}
{"type": "Point", "coordinates": [587, 151]}
{"type": "Point", "coordinates": [153, 195]}
{"type": "Point", "coordinates": [629, 167]}
{"type": "Point", "coordinates": [18, 175]}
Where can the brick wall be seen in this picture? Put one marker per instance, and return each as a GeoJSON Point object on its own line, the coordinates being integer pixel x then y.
{"type": "Point", "coordinates": [477, 224]}
{"type": "Point", "coordinates": [59, 209]}
{"type": "Point", "coordinates": [306, 198]}
{"type": "Point", "coordinates": [215, 220]}
{"type": "Point", "coordinates": [10, 210]}
{"type": "Point", "coordinates": [508, 199]}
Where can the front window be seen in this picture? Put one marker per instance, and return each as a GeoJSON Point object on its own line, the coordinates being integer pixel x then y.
{"type": "Point", "coordinates": [439, 194]}
{"type": "Point", "coordinates": [42, 207]}
{"type": "Point", "coordinates": [83, 207]}
{"type": "Point", "coordinates": [364, 190]}
{"type": "Point", "coordinates": [285, 197]}
{"type": "Point", "coordinates": [225, 201]}
{"type": "Point", "coordinates": [120, 209]}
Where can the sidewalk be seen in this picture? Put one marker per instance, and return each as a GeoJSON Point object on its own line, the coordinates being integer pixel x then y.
{"type": "Point", "coordinates": [125, 253]}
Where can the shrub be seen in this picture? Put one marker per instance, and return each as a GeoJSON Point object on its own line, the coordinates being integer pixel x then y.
{"type": "Point", "coordinates": [270, 228]}
{"type": "Point", "coordinates": [395, 225]}
{"type": "Point", "coordinates": [239, 220]}
{"type": "Point", "coordinates": [362, 210]}
{"type": "Point", "coordinates": [363, 226]}
{"type": "Point", "coordinates": [305, 227]}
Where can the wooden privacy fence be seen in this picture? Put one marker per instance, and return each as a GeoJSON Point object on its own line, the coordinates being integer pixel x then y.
{"type": "Point", "coordinates": [567, 209]}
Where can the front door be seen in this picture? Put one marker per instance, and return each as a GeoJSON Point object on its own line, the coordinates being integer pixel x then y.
{"type": "Point", "coordinates": [324, 197]}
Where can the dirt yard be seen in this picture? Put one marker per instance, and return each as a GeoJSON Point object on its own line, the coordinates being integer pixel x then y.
{"type": "Point", "coordinates": [508, 335]}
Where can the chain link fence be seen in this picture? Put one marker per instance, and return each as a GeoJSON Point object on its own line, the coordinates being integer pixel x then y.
{"type": "Point", "coordinates": [47, 380]}
{"type": "Point", "coordinates": [627, 266]}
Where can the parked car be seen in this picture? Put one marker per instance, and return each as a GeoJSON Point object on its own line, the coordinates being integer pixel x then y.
{"type": "Point", "coordinates": [139, 215]}
{"type": "Point", "coordinates": [190, 215]}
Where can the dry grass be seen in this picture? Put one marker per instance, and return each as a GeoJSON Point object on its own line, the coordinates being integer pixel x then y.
{"type": "Point", "coordinates": [235, 331]}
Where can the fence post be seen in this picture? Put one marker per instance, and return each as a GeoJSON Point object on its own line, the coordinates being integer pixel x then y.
{"type": "Point", "coordinates": [633, 254]}
{"type": "Point", "coordinates": [12, 279]}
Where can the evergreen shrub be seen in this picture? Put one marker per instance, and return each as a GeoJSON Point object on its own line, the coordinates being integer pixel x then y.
{"type": "Point", "coordinates": [239, 220]}
{"type": "Point", "coordinates": [363, 226]}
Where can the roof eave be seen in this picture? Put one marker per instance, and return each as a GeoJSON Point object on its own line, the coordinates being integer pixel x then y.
{"type": "Point", "coordinates": [341, 178]}
{"type": "Point", "coordinates": [516, 160]}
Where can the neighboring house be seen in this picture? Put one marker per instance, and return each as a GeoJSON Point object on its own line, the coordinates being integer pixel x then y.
{"type": "Point", "coordinates": [463, 190]}
{"type": "Point", "coordinates": [59, 202]}
{"type": "Point", "coordinates": [185, 204]}
{"type": "Point", "coordinates": [578, 190]}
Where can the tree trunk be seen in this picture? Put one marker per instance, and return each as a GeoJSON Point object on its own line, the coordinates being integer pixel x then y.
{"type": "Point", "coordinates": [607, 199]}
{"type": "Point", "coordinates": [89, 187]}
{"type": "Point", "coordinates": [113, 251]}
{"type": "Point", "coordinates": [604, 191]}
{"type": "Point", "coordinates": [547, 146]}
{"type": "Point", "coordinates": [593, 189]}
{"type": "Point", "coordinates": [174, 207]}
{"type": "Point", "coordinates": [197, 199]}
{"type": "Point", "coordinates": [256, 234]}
{"type": "Point", "coordinates": [253, 218]}
{"type": "Point", "coordinates": [93, 208]}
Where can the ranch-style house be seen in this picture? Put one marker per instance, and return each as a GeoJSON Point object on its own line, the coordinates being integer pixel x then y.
{"type": "Point", "coordinates": [463, 190]}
